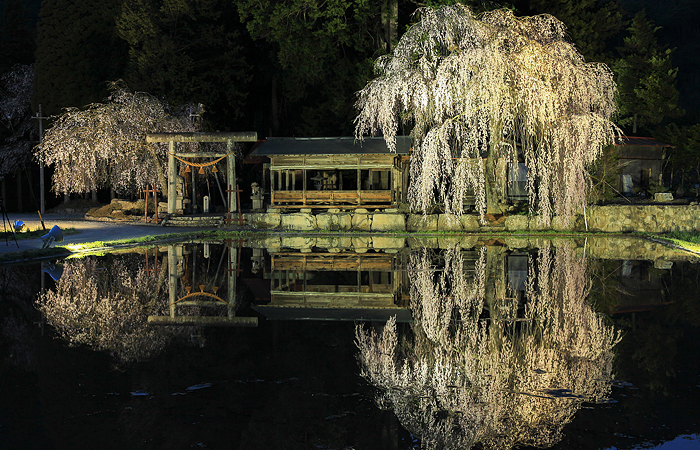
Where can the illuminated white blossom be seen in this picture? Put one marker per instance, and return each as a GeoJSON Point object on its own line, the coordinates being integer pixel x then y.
{"type": "Point", "coordinates": [495, 85]}
{"type": "Point", "coordinates": [472, 372]}
{"type": "Point", "coordinates": [104, 145]}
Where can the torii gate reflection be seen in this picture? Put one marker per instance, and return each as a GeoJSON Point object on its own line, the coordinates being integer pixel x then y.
{"type": "Point", "coordinates": [202, 295]}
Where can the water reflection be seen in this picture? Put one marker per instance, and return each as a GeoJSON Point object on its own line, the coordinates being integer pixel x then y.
{"type": "Point", "coordinates": [335, 286]}
{"type": "Point", "coordinates": [112, 303]}
{"type": "Point", "coordinates": [491, 345]}
{"type": "Point", "coordinates": [485, 363]}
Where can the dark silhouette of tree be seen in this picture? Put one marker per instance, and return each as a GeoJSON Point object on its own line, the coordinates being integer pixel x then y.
{"type": "Point", "coordinates": [589, 23]}
{"type": "Point", "coordinates": [645, 77]}
{"type": "Point", "coordinates": [78, 51]}
{"type": "Point", "coordinates": [321, 55]}
{"type": "Point", "coordinates": [188, 51]}
{"type": "Point", "coordinates": [16, 35]}
{"type": "Point", "coordinates": [17, 131]}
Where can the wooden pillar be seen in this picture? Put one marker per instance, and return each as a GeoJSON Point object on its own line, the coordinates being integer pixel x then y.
{"type": "Point", "coordinates": [172, 178]}
{"type": "Point", "coordinates": [172, 277]}
{"type": "Point", "coordinates": [232, 274]}
{"type": "Point", "coordinates": [231, 175]}
{"type": "Point", "coordinates": [193, 174]}
{"type": "Point", "coordinates": [272, 187]}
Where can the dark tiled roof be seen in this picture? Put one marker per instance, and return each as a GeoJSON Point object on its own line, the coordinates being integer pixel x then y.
{"type": "Point", "coordinates": [329, 146]}
{"type": "Point", "coordinates": [640, 141]}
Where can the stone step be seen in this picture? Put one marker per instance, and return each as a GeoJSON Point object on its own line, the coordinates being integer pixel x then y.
{"type": "Point", "coordinates": [193, 221]}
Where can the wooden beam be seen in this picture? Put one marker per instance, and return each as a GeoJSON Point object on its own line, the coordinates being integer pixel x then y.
{"type": "Point", "coordinates": [200, 154]}
{"type": "Point", "coordinates": [242, 136]}
{"type": "Point", "coordinates": [204, 321]}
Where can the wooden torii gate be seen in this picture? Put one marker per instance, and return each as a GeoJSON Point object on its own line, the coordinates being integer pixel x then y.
{"type": "Point", "coordinates": [229, 138]}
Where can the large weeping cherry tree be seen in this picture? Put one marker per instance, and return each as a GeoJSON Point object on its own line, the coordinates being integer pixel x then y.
{"type": "Point", "coordinates": [104, 145]}
{"type": "Point", "coordinates": [475, 370]}
{"type": "Point", "coordinates": [478, 89]}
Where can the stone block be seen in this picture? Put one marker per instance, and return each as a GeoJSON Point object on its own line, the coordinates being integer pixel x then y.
{"type": "Point", "coordinates": [449, 222]}
{"type": "Point", "coordinates": [422, 241]}
{"type": "Point", "coordinates": [517, 242]}
{"type": "Point", "coordinates": [446, 242]}
{"type": "Point", "coordinates": [334, 242]}
{"type": "Point", "coordinates": [298, 222]}
{"type": "Point", "coordinates": [298, 242]}
{"type": "Point", "coordinates": [388, 242]}
{"type": "Point", "coordinates": [334, 222]}
{"type": "Point", "coordinates": [470, 222]}
{"type": "Point", "coordinates": [663, 197]}
{"type": "Point", "coordinates": [263, 220]}
{"type": "Point", "coordinates": [361, 221]}
{"type": "Point", "coordinates": [361, 243]}
{"type": "Point", "coordinates": [517, 223]}
{"type": "Point", "coordinates": [419, 222]}
{"type": "Point", "coordinates": [388, 222]}
{"type": "Point", "coordinates": [534, 224]}
{"type": "Point", "coordinates": [562, 223]}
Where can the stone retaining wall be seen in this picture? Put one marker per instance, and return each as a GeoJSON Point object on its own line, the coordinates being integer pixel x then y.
{"type": "Point", "coordinates": [618, 218]}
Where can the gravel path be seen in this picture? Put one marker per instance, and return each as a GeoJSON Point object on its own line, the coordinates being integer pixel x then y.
{"type": "Point", "coordinates": [87, 231]}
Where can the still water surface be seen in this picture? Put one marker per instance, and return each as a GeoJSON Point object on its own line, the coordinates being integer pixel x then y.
{"type": "Point", "coordinates": [480, 343]}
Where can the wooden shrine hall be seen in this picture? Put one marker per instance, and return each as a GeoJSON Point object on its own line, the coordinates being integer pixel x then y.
{"type": "Point", "coordinates": [335, 172]}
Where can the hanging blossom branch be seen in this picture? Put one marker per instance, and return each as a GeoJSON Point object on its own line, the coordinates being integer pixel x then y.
{"type": "Point", "coordinates": [472, 373]}
{"type": "Point", "coordinates": [104, 145]}
{"type": "Point", "coordinates": [495, 85]}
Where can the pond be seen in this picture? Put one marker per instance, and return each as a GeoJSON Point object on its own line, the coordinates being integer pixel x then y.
{"type": "Point", "coordinates": [354, 342]}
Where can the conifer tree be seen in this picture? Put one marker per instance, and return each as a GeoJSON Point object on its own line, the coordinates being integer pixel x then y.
{"type": "Point", "coordinates": [645, 77]}
{"type": "Point", "coordinates": [78, 52]}
{"type": "Point", "coordinates": [589, 23]}
{"type": "Point", "coordinates": [188, 51]}
{"type": "Point", "coordinates": [321, 54]}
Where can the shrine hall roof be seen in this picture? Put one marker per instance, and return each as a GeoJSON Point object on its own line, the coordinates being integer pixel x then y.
{"type": "Point", "coordinates": [329, 146]}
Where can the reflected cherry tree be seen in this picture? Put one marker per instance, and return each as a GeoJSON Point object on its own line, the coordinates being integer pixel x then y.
{"type": "Point", "coordinates": [106, 308]}
{"type": "Point", "coordinates": [481, 367]}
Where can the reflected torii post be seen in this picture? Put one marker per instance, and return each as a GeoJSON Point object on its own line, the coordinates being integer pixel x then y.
{"type": "Point", "coordinates": [174, 252]}
{"type": "Point", "coordinates": [229, 138]}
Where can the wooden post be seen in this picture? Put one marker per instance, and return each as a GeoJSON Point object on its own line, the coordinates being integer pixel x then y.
{"type": "Point", "coordinates": [231, 173]}
{"type": "Point", "coordinates": [172, 278]}
{"type": "Point", "coordinates": [232, 275]}
{"type": "Point", "coordinates": [172, 178]}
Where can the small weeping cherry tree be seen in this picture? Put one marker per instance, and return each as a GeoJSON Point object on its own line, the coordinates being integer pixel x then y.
{"type": "Point", "coordinates": [489, 88]}
{"type": "Point", "coordinates": [471, 373]}
{"type": "Point", "coordinates": [104, 145]}
{"type": "Point", "coordinates": [107, 308]}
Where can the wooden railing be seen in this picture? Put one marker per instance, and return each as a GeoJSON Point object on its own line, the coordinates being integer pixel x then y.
{"type": "Point", "coordinates": [331, 199]}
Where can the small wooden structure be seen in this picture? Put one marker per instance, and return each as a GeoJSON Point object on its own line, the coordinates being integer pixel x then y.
{"type": "Point", "coordinates": [335, 172]}
{"type": "Point", "coordinates": [336, 286]}
{"type": "Point", "coordinates": [641, 162]}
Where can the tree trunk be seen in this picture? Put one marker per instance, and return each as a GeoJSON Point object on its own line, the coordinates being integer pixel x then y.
{"type": "Point", "coordinates": [494, 184]}
{"type": "Point", "coordinates": [389, 18]}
